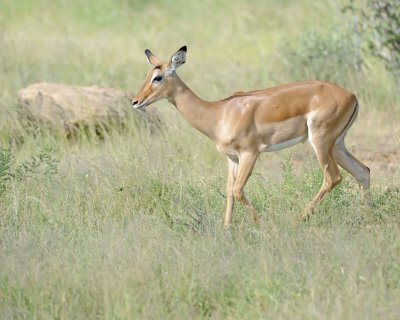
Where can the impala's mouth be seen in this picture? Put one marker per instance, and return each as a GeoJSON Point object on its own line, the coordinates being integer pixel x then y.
{"type": "Point", "coordinates": [139, 107]}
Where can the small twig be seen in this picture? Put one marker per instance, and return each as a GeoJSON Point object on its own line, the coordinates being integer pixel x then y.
{"type": "Point", "coordinates": [219, 191]}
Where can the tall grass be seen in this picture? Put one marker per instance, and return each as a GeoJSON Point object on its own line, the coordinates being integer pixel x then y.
{"type": "Point", "coordinates": [127, 230]}
{"type": "Point", "coordinates": [130, 225]}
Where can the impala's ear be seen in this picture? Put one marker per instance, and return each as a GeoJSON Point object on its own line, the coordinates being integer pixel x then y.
{"type": "Point", "coordinates": [151, 58]}
{"type": "Point", "coordinates": [178, 59]}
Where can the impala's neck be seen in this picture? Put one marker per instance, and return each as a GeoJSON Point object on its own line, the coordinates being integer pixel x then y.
{"type": "Point", "coordinates": [199, 113]}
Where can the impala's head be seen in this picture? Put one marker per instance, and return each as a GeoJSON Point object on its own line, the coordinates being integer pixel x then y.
{"type": "Point", "coordinates": [158, 82]}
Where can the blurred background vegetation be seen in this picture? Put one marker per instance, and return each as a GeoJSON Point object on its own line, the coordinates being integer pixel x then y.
{"type": "Point", "coordinates": [242, 45]}
{"type": "Point", "coordinates": [129, 225]}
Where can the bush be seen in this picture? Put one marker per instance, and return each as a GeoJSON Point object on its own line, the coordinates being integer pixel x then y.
{"type": "Point", "coordinates": [383, 18]}
{"type": "Point", "coordinates": [329, 55]}
{"type": "Point", "coordinates": [41, 163]}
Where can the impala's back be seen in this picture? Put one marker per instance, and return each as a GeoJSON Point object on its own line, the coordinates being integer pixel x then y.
{"type": "Point", "coordinates": [283, 115]}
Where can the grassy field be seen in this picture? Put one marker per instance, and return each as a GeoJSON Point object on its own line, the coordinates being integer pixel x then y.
{"type": "Point", "coordinates": [130, 226]}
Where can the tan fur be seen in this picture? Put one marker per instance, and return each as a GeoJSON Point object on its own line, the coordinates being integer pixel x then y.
{"type": "Point", "coordinates": [247, 123]}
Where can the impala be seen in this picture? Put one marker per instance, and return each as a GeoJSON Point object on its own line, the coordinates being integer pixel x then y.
{"type": "Point", "coordinates": [249, 123]}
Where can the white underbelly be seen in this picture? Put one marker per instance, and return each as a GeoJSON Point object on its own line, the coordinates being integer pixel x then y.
{"type": "Point", "coordinates": [282, 145]}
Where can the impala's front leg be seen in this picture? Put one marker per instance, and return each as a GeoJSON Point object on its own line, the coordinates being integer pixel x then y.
{"type": "Point", "coordinates": [232, 171]}
{"type": "Point", "coordinates": [246, 166]}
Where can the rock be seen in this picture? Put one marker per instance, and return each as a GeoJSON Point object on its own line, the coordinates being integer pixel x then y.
{"type": "Point", "coordinates": [73, 108]}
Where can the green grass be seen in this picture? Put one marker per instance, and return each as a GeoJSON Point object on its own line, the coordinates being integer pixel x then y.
{"type": "Point", "coordinates": [130, 225]}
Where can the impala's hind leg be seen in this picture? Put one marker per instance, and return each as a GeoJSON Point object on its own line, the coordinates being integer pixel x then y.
{"type": "Point", "coordinates": [347, 161]}
{"type": "Point", "coordinates": [331, 175]}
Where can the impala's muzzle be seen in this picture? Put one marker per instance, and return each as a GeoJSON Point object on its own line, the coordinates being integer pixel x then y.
{"type": "Point", "coordinates": [136, 105]}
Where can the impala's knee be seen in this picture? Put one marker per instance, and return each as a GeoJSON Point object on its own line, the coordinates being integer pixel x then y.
{"type": "Point", "coordinates": [336, 181]}
{"type": "Point", "coordinates": [327, 185]}
{"type": "Point", "coordinates": [229, 192]}
{"type": "Point", "coordinates": [238, 194]}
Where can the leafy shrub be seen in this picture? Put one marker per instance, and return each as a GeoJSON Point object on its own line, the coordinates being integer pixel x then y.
{"type": "Point", "coordinates": [382, 23]}
{"type": "Point", "coordinates": [41, 163]}
{"type": "Point", "coordinates": [329, 55]}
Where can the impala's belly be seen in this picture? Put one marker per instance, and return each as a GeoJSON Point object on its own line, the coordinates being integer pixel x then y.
{"type": "Point", "coordinates": [280, 135]}
{"type": "Point", "coordinates": [282, 145]}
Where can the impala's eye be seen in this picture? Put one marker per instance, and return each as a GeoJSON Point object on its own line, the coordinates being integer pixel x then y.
{"type": "Point", "coordinates": [158, 78]}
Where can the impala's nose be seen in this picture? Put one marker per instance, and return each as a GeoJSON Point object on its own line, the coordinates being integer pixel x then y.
{"type": "Point", "coordinates": [134, 102]}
